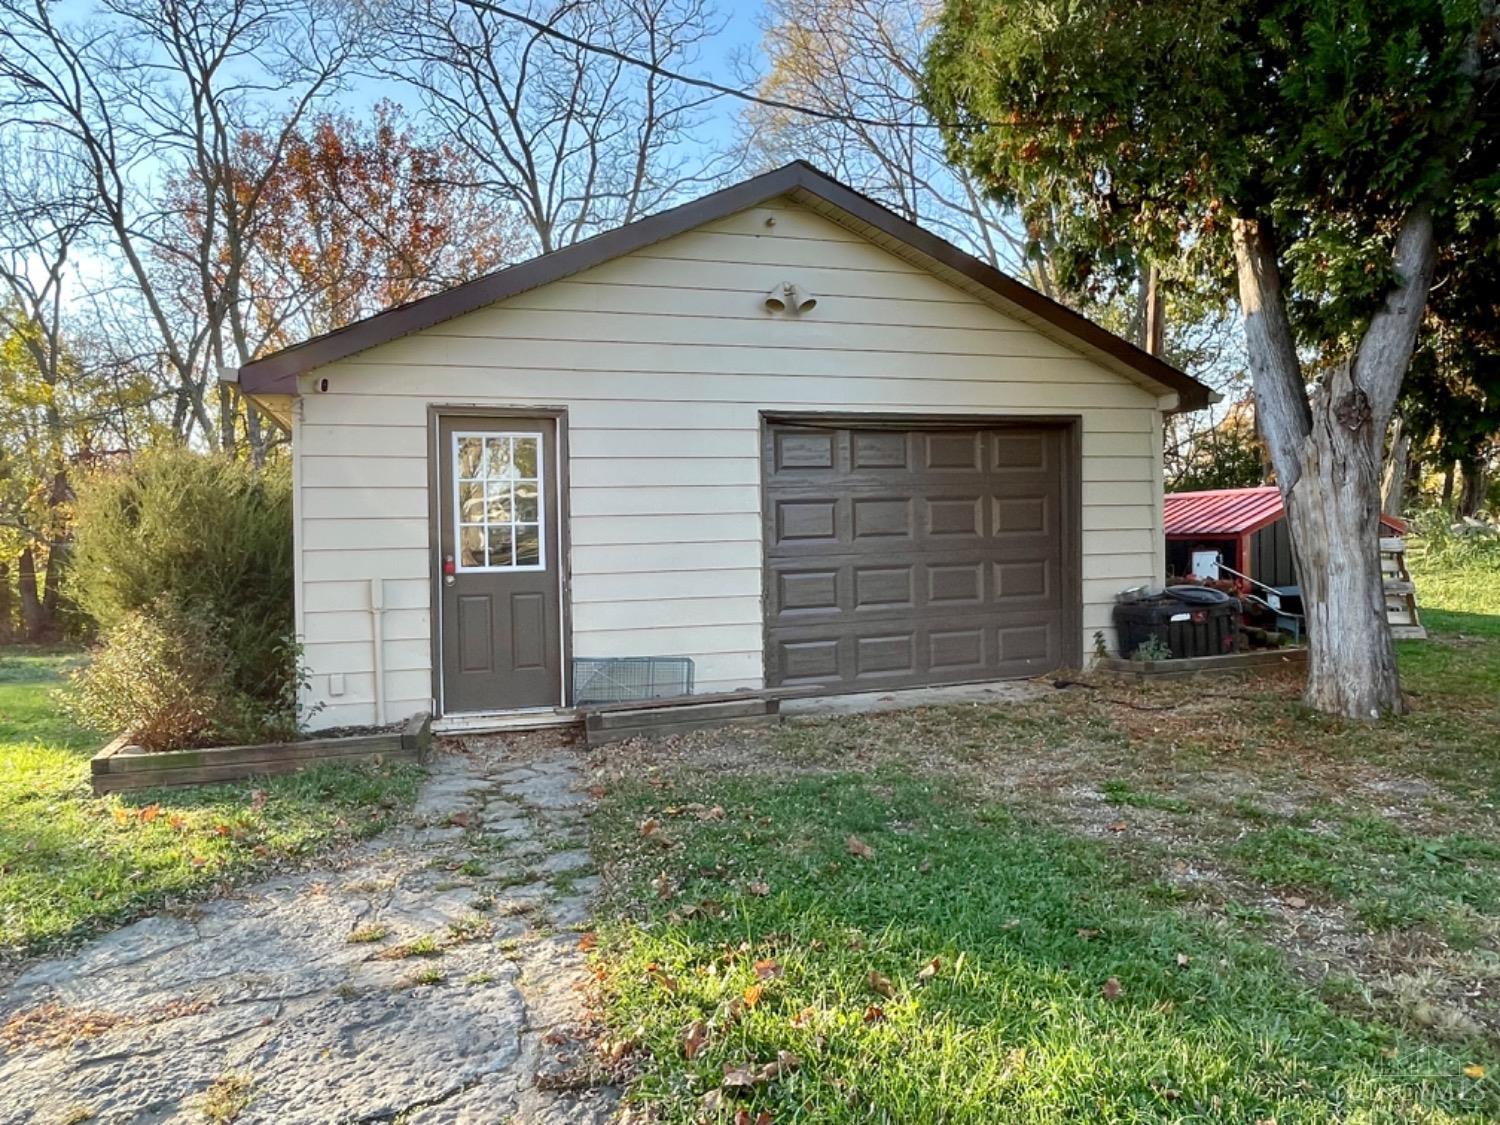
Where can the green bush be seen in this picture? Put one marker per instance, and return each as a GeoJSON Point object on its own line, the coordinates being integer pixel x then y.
{"type": "Point", "coordinates": [1439, 539]}
{"type": "Point", "coordinates": [162, 675]}
{"type": "Point", "coordinates": [205, 544]}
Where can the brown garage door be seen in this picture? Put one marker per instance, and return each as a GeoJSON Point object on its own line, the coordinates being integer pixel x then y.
{"type": "Point", "coordinates": [917, 556]}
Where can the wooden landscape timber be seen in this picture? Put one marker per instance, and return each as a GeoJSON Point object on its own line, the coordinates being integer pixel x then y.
{"type": "Point", "coordinates": [117, 768]}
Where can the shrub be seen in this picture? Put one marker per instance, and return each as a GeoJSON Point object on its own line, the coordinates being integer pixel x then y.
{"type": "Point", "coordinates": [1441, 540]}
{"type": "Point", "coordinates": [163, 676]}
{"type": "Point", "coordinates": [185, 556]}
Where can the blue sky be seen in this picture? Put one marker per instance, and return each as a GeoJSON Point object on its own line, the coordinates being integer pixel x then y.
{"type": "Point", "coordinates": [722, 59]}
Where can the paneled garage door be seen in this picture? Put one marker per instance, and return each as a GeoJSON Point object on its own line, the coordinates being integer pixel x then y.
{"type": "Point", "coordinates": [897, 556]}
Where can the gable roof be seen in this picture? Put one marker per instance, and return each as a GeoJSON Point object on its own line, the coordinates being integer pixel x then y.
{"type": "Point", "coordinates": [276, 374]}
{"type": "Point", "coordinates": [1232, 511]}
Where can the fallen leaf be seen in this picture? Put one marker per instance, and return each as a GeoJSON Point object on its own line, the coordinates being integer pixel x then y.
{"type": "Point", "coordinates": [769, 969]}
{"type": "Point", "coordinates": [1183, 960]}
{"type": "Point", "coordinates": [149, 813]}
{"type": "Point", "coordinates": [1117, 826]}
{"type": "Point", "coordinates": [649, 826]}
{"type": "Point", "coordinates": [459, 819]}
{"type": "Point", "coordinates": [198, 861]}
{"type": "Point", "coordinates": [877, 983]}
{"type": "Point", "coordinates": [753, 994]}
{"type": "Point", "coordinates": [219, 829]}
{"type": "Point", "coordinates": [588, 942]}
{"type": "Point", "coordinates": [715, 813]}
{"type": "Point", "coordinates": [121, 815]}
{"type": "Point", "coordinates": [695, 1039]}
{"type": "Point", "coordinates": [759, 888]}
{"type": "Point", "coordinates": [1086, 934]}
{"type": "Point", "coordinates": [1474, 1071]}
{"type": "Point", "coordinates": [785, 1063]}
{"type": "Point", "coordinates": [737, 1076]}
{"type": "Point", "coordinates": [258, 799]}
{"type": "Point", "coordinates": [857, 847]}
{"type": "Point", "coordinates": [663, 885]}
{"type": "Point", "coordinates": [711, 1103]}
{"type": "Point", "coordinates": [596, 791]}
{"type": "Point", "coordinates": [176, 822]}
{"type": "Point", "coordinates": [1112, 989]}
{"type": "Point", "coordinates": [620, 1048]}
{"type": "Point", "coordinates": [928, 971]}
{"type": "Point", "coordinates": [874, 1013]}
{"type": "Point", "coordinates": [1296, 903]}
{"type": "Point", "coordinates": [804, 1017]}
{"type": "Point", "coordinates": [654, 972]}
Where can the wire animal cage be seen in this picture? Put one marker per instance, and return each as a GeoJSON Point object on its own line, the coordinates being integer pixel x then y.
{"type": "Point", "coordinates": [623, 679]}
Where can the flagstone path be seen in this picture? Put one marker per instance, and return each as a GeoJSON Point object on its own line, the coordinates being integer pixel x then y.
{"type": "Point", "coordinates": [430, 975]}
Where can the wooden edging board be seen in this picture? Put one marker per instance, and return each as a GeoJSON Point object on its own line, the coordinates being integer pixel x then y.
{"type": "Point", "coordinates": [680, 715]}
{"type": "Point", "coordinates": [115, 770]}
{"type": "Point", "coordinates": [1202, 665]}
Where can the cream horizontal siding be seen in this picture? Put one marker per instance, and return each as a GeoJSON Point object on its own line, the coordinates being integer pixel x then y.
{"type": "Point", "coordinates": [402, 401]}
{"type": "Point", "coordinates": [666, 585]}
{"type": "Point", "coordinates": [664, 361]}
{"type": "Point", "coordinates": [336, 596]}
{"type": "Point", "coordinates": [615, 530]}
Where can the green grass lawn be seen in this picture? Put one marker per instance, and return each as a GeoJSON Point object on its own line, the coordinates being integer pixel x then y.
{"type": "Point", "coordinates": [72, 863]}
{"type": "Point", "coordinates": [1169, 903]}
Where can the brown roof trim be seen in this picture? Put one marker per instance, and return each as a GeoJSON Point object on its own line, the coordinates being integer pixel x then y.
{"type": "Point", "coordinates": [276, 374]}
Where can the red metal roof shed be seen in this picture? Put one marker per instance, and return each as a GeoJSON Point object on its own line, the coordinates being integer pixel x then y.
{"type": "Point", "coordinates": [1238, 515]}
{"type": "Point", "coordinates": [1232, 511]}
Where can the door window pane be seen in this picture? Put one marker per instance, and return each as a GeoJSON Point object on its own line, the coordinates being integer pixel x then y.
{"type": "Point", "coordinates": [528, 545]}
{"type": "Point", "coordinates": [525, 457]}
{"type": "Point", "coordinates": [497, 507]}
{"type": "Point", "coordinates": [525, 504]}
{"type": "Point", "coordinates": [498, 464]}
{"type": "Point", "coordinates": [500, 544]}
{"type": "Point", "coordinates": [471, 546]}
{"type": "Point", "coordinates": [470, 502]}
{"type": "Point", "coordinates": [498, 495]}
{"type": "Point", "coordinates": [468, 457]}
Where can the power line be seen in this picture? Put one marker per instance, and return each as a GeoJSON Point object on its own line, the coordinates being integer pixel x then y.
{"type": "Point", "coordinates": [691, 80]}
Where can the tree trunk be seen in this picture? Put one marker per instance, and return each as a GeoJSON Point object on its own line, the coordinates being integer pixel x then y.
{"type": "Point", "coordinates": [1471, 497]}
{"type": "Point", "coordinates": [1397, 465]}
{"type": "Point", "coordinates": [7, 609]}
{"type": "Point", "coordinates": [1154, 330]}
{"type": "Point", "coordinates": [50, 627]}
{"type": "Point", "coordinates": [31, 605]}
{"type": "Point", "coordinates": [1328, 455]}
{"type": "Point", "coordinates": [1333, 515]}
{"type": "Point", "coordinates": [1447, 498]}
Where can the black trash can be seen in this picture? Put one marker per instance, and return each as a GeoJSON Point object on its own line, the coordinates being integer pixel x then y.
{"type": "Point", "coordinates": [1190, 620]}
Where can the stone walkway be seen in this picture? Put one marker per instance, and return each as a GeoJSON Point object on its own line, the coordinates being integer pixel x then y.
{"type": "Point", "coordinates": [431, 975]}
